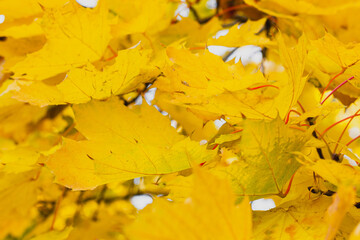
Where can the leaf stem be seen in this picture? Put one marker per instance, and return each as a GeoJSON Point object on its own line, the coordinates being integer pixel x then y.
{"type": "Point", "coordinates": [352, 140]}
{"type": "Point", "coordinates": [57, 208]}
{"type": "Point", "coordinates": [340, 121]}
{"type": "Point", "coordinates": [301, 106]}
{"type": "Point", "coordinates": [113, 52]}
{"type": "Point", "coordinates": [289, 186]}
{"type": "Point", "coordinates": [336, 89]}
{"type": "Point", "coordinates": [236, 131]}
{"type": "Point", "coordinates": [216, 145]}
{"type": "Point", "coordinates": [298, 128]}
{"type": "Point", "coordinates": [326, 143]}
{"type": "Point", "coordinates": [342, 133]}
{"type": "Point", "coordinates": [288, 115]}
{"type": "Point", "coordinates": [262, 86]}
{"type": "Point", "coordinates": [331, 80]}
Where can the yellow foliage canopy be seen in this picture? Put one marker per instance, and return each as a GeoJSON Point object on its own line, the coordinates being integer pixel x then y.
{"type": "Point", "coordinates": [101, 106]}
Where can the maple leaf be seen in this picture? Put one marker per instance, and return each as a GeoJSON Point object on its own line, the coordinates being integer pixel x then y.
{"type": "Point", "coordinates": [338, 174]}
{"type": "Point", "coordinates": [191, 33]}
{"type": "Point", "coordinates": [212, 88]}
{"type": "Point", "coordinates": [141, 18]}
{"type": "Point", "coordinates": [265, 150]}
{"type": "Point", "coordinates": [67, 28]}
{"type": "Point", "coordinates": [245, 34]}
{"type": "Point", "coordinates": [15, 50]}
{"type": "Point", "coordinates": [124, 146]}
{"type": "Point", "coordinates": [291, 8]}
{"type": "Point", "coordinates": [212, 91]}
{"type": "Point", "coordinates": [296, 220]}
{"type": "Point", "coordinates": [83, 84]}
{"type": "Point", "coordinates": [335, 63]}
{"type": "Point", "coordinates": [344, 199]}
{"type": "Point", "coordinates": [31, 8]}
{"type": "Point", "coordinates": [12, 218]}
{"type": "Point", "coordinates": [209, 213]}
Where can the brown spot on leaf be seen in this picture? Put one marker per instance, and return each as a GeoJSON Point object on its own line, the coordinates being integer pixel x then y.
{"type": "Point", "coordinates": [291, 231]}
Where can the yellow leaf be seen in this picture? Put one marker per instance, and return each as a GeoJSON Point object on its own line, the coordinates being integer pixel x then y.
{"type": "Point", "coordinates": [29, 8]}
{"type": "Point", "coordinates": [267, 162]}
{"type": "Point", "coordinates": [18, 160]}
{"type": "Point", "coordinates": [331, 58]}
{"type": "Point", "coordinates": [294, 220]}
{"type": "Point", "coordinates": [15, 117]}
{"type": "Point", "coordinates": [206, 85]}
{"type": "Point", "coordinates": [23, 31]}
{"type": "Point", "coordinates": [355, 235]}
{"type": "Point", "coordinates": [67, 28]}
{"type": "Point", "coordinates": [245, 34]}
{"type": "Point", "coordinates": [106, 225]}
{"type": "Point", "coordinates": [54, 235]}
{"type": "Point", "coordinates": [141, 18]}
{"type": "Point", "coordinates": [343, 200]}
{"type": "Point", "coordinates": [293, 60]}
{"type": "Point", "coordinates": [86, 83]}
{"type": "Point", "coordinates": [210, 213]}
{"type": "Point", "coordinates": [122, 144]}
{"type": "Point", "coordinates": [14, 217]}
{"type": "Point", "coordinates": [37, 93]}
{"type": "Point", "coordinates": [336, 173]}
{"type": "Point", "coordinates": [291, 8]}
{"type": "Point", "coordinates": [191, 32]}
{"type": "Point", "coordinates": [15, 50]}
{"type": "Point", "coordinates": [83, 84]}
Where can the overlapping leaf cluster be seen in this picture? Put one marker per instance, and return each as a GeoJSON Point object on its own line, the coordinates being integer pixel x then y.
{"type": "Point", "coordinates": [78, 123]}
